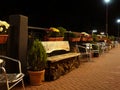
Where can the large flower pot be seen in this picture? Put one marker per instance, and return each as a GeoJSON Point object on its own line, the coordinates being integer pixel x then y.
{"type": "Point", "coordinates": [36, 77]}
{"type": "Point", "coordinates": [74, 39]}
{"type": "Point", "coordinates": [3, 39]}
{"type": "Point", "coordinates": [55, 38]}
{"type": "Point", "coordinates": [84, 39]}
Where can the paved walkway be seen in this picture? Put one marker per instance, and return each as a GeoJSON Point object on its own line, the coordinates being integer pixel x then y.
{"type": "Point", "coordinates": [103, 73]}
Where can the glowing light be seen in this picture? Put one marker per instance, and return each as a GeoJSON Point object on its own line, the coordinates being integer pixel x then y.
{"type": "Point", "coordinates": [118, 20]}
{"type": "Point", "coordinates": [94, 31]}
{"type": "Point", "coordinates": [106, 1]}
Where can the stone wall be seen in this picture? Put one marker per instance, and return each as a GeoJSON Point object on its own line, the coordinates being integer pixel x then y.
{"type": "Point", "coordinates": [62, 67]}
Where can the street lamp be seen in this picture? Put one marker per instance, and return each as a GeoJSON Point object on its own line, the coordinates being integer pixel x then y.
{"type": "Point", "coordinates": [107, 2]}
{"type": "Point", "coordinates": [118, 21]}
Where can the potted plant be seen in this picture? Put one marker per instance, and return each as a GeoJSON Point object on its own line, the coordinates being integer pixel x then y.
{"type": "Point", "coordinates": [72, 36]}
{"type": "Point", "coordinates": [62, 31]}
{"type": "Point", "coordinates": [56, 34]}
{"type": "Point", "coordinates": [4, 27]}
{"type": "Point", "coordinates": [37, 58]}
{"type": "Point", "coordinates": [95, 38]}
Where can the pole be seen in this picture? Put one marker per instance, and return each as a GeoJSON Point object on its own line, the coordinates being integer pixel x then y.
{"type": "Point", "coordinates": [118, 22]}
{"type": "Point", "coordinates": [118, 31]}
{"type": "Point", "coordinates": [107, 19]}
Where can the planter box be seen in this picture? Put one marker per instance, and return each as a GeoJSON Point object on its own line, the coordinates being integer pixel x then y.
{"type": "Point", "coordinates": [55, 39]}
{"type": "Point", "coordinates": [74, 39]}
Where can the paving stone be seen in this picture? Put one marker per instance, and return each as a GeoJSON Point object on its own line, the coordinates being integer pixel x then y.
{"type": "Point", "coordinates": [103, 73]}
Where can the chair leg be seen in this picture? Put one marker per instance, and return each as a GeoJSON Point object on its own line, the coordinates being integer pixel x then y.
{"type": "Point", "coordinates": [89, 57]}
{"type": "Point", "coordinates": [23, 85]}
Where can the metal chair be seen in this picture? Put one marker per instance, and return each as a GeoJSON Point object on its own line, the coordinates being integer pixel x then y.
{"type": "Point", "coordinates": [85, 50]}
{"type": "Point", "coordinates": [104, 47]}
{"type": "Point", "coordinates": [96, 49]}
{"type": "Point", "coordinates": [10, 79]}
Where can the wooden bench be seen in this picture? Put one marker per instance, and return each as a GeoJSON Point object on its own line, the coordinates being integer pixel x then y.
{"type": "Point", "coordinates": [60, 59]}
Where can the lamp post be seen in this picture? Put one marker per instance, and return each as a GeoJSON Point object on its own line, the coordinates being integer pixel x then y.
{"type": "Point", "coordinates": [118, 21]}
{"type": "Point", "coordinates": [107, 2]}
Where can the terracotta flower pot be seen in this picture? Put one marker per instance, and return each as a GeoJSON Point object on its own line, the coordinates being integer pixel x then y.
{"type": "Point", "coordinates": [36, 77]}
{"type": "Point", "coordinates": [3, 39]}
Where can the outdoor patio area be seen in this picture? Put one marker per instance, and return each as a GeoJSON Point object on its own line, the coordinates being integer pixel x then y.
{"type": "Point", "coordinates": [102, 73]}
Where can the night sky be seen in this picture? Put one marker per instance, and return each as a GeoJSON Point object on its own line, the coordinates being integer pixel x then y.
{"type": "Point", "coordinates": [74, 15]}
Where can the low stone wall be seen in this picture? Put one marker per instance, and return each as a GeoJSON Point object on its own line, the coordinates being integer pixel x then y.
{"type": "Point", "coordinates": [62, 67]}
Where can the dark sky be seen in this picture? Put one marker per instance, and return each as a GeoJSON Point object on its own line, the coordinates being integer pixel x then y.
{"type": "Point", "coordinates": [75, 15]}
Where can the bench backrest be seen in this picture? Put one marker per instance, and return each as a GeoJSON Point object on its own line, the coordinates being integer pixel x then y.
{"type": "Point", "coordinates": [51, 46]}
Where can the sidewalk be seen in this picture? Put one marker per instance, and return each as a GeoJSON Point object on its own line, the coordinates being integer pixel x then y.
{"type": "Point", "coordinates": [103, 73]}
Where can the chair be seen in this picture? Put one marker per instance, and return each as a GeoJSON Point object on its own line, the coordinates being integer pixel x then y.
{"type": "Point", "coordinates": [85, 50]}
{"type": "Point", "coordinates": [10, 79]}
{"type": "Point", "coordinates": [104, 47]}
{"type": "Point", "coordinates": [116, 43]}
{"type": "Point", "coordinates": [96, 49]}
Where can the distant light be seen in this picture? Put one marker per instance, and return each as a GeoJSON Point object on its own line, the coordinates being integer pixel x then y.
{"type": "Point", "coordinates": [102, 33]}
{"type": "Point", "coordinates": [106, 1]}
{"type": "Point", "coordinates": [118, 20]}
{"type": "Point", "coordinates": [94, 31]}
